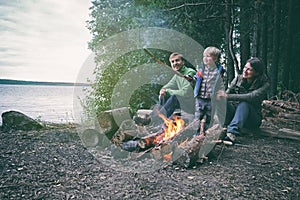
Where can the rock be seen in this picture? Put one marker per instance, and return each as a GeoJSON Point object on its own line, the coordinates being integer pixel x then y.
{"type": "Point", "coordinates": [14, 120]}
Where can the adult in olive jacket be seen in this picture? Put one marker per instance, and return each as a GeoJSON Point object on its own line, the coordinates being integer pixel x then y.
{"type": "Point", "coordinates": [245, 95]}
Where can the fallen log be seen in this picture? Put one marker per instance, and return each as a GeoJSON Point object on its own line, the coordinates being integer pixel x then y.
{"type": "Point", "coordinates": [90, 137]}
{"type": "Point", "coordinates": [108, 122]}
{"type": "Point", "coordinates": [280, 106]}
{"type": "Point", "coordinates": [196, 149]}
{"type": "Point", "coordinates": [283, 133]}
{"type": "Point", "coordinates": [292, 116]}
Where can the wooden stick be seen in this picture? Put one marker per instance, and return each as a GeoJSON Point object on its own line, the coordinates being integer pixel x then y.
{"type": "Point", "coordinates": [162, 63]}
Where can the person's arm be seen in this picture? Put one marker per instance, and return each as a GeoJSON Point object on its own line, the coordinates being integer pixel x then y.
{"type": "Point", "coordinates": [231, 87]}
{"type": "Point", "coordinates": [180, 86]}
{"type": "Point", "coordinates": [171, 84]}
{"type": "Point", "coordinates": [254, 95]}
{"type": "Point", "coordinates": [184, 91]}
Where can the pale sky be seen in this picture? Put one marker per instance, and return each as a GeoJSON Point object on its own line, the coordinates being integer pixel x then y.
{"type": "Point", "coordinates": [43, 40]}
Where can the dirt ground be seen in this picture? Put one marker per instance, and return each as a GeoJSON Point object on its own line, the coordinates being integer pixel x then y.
{"type": "Point", "coordinates": [53, 164]}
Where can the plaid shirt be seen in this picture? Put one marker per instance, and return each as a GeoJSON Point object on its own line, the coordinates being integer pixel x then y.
{"type": "Point", "coordinates": [209, 77]}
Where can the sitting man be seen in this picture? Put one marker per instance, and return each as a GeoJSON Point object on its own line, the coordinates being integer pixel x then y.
{"type": "Point", "coordinates": [176, 94]}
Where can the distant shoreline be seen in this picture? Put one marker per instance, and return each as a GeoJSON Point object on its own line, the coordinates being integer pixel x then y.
{"type": "Point", "coordinates": [20, 82]}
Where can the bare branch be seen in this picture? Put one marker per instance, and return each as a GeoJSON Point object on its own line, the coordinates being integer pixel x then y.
{"type": "Point", "coordinates": [199, 4]}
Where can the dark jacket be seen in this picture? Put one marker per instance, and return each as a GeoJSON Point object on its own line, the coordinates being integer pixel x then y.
{"type": "Point", "coordinates": [254, 93]}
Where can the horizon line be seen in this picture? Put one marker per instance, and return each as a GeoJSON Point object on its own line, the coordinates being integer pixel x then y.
{"type": "Point", "coordinates": [20, 82]}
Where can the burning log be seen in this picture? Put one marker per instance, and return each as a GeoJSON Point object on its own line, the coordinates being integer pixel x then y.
{"type": "Point", "coordinates": [175, 143]}
{"type": "Point", "coordinates": [171, 130]}
{"type": "Point", "coordinates": [197, 149]}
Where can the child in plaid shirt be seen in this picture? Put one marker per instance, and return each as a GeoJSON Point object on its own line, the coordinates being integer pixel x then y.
{"type": "Point", "coordinates": [208, 81]}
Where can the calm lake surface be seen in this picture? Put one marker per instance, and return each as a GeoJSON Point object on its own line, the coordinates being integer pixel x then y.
{"type": "Point", "coordinates": [46, 103]}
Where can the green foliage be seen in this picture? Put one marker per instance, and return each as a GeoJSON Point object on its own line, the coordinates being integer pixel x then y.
{"type": "Point", "coordinates": [110, 17]}
{"type": "Point", "coordinates": [204, 21]}
{"type": "Point", "coordinates": [115, 84]}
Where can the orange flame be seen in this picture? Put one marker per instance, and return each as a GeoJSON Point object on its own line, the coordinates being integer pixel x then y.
{"type": "Point", "coordinates": [173, 127]}
{"type": "Point", "coordinates": [168, 157]}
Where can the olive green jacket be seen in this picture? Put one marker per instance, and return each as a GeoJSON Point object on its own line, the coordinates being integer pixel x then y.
{"type": "Point", "coordinates": [179, 86]}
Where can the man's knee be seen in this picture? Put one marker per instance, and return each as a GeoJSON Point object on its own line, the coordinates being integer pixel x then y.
{"type": "Point", "coordinates": [172, 98]}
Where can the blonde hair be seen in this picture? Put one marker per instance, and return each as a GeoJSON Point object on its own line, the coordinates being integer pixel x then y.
{"type": "Point", "coordinates": [213, 51]}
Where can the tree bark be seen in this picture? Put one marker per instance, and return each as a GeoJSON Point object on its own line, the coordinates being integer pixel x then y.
{"type": "Point", "coordinates": [281, 133]}
{"type": "Point", "coordinates": [245, 31]}
{"type": "Point", "coordinates": [295, 49]}
{"type": "Point", "coordinates": [232, 63]}
{"type": "Point", "coordinates": [256, 30]}
{"type": "Point", "coordinates": [275, 57]}
{"type": "Point", "coordinates": [196, 149]}
{"type": "Point", "coordinates": [288, 48]}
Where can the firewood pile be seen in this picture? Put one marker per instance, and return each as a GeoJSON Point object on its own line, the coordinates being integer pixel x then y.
{"type": "Point", "coordinates": [164, 142]}
{"type": "Point", "coordinates": [173, 141]}
{"type": "Point", "coordinates": [281, 116]}
{"type": "Point", "coordinates": [283, 112]}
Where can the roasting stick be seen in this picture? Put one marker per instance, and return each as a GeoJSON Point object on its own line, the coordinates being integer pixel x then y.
{"type": "Point", "coordinates": [162, 63]}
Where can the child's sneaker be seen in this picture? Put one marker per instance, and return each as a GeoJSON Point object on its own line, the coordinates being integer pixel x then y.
{"type": "Point", "coordinates": [229, 139]}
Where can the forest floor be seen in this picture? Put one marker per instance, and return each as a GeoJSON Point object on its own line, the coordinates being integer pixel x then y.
{"type": "Point", "coordinates": [53, 164]}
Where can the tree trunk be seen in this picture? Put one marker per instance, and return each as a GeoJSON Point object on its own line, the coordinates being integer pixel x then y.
{"type": "Point", "coordinates": [288, 48]}
{"type": "Point", "coordinates": [264, 36]}
{"type": "Point", "coordinates": [275, 57]}
{"type": "Point", "coordinates": [245, 31]}
{"type": "Point", "coordinates": [256, 30]}
{"type": "Point", "coordinates": [294, 51]}
{"type": "Point", "coordinates": [232, 63]}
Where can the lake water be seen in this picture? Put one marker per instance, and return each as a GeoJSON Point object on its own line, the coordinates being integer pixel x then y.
{"type": "Point", "coordinates": [46, 103]}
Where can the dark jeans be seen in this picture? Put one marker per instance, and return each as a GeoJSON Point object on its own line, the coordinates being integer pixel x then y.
{"type": "Point", "coordinates": [203, 108]}
{"type": "Point", "coordinates": [241, 116]}
{"type": "Point", "coordinates": [168, 105]}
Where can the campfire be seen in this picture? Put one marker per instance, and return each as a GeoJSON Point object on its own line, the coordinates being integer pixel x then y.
{"type": "Point", "coordinates": [173, 142]}
{"type": "Point", "coordinates": [171, 129]}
